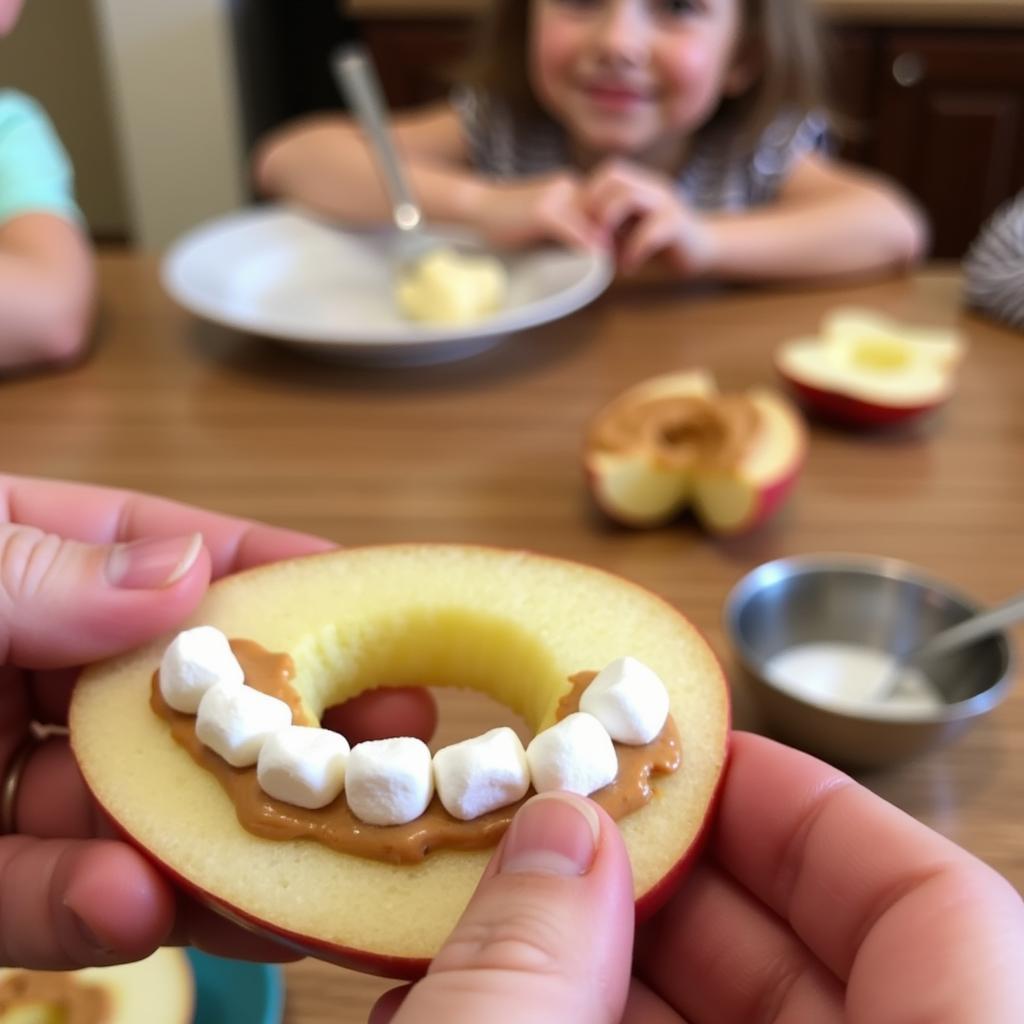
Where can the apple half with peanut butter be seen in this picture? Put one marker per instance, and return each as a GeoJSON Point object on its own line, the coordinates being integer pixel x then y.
{"type": "Point", "coordinates": [529, 630]}
{"type": "Point", "coordinates": [157, 990]}
{"type": "Point", "coordinates": [864, 369]}
{"type": "Point", "coordinates": [675, 442]}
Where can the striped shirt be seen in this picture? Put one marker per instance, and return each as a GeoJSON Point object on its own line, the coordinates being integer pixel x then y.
{"type": "Point", "coordinates": [994, 265]}
{"type": "Point", "coordinates": [714, 177]}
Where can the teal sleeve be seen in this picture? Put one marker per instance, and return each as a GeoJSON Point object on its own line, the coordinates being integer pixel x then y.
{"type": "Point", "coordinates": [35, 172]}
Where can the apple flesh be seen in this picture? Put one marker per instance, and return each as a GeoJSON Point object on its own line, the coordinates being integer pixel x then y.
{"type": "Point", "coordinates": [640, 484]}
{"type": "Point", "coordinates": [512, 624]}
{"type": "Point", "coordinates": [866, 370]}
{"type": "Point", "coordinates": [157, 990]}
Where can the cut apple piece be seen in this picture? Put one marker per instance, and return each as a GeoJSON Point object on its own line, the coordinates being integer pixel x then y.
{"type": "Point", "coordinates": [673, 442]}
{"type": "Point", "coordinates": [867, 370]}
{"type": "Point", "coordinates": [511, 624]}
{"type": "Point", "coordinates": [157, 990]}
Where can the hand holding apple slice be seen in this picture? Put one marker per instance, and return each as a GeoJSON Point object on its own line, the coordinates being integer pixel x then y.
{"type": "Point", "coordinates": [514, 625]}
{"type": "Point", "coordinates": [867, 370]}
{"type": "Point", "coordinates": [674, 441]}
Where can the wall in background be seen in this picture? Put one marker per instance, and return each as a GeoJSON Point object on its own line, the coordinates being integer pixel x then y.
{"type": "Point", "coordinates": [174, 90]}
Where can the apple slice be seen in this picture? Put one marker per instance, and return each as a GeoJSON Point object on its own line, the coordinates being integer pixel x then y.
{"type": "Point", "coordinates": [512, 624]}
{"type": "Point", "coordinates": [867, 370]}
{"type": "Point", "coordinates": [157, 990]}
{"type": "Point", "coordinates": [673, 441]}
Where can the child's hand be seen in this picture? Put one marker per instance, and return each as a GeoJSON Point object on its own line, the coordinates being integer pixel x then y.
{"type": "Point", "coordinates": [648, 216]}
{"type": "Point", "coordinates": [546, 209]}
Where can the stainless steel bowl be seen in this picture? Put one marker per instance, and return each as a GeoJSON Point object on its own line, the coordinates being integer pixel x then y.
{"type": "Point", "coordinates": [871, 602]}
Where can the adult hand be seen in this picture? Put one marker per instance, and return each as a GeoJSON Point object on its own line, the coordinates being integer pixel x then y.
{"type": "Point", "coordinates": [543, 209]}
{"type": "Point", "coordinates": [87, 572]}
{"type": "Point", "coordinates": [816, 901]}
{"type": "Point", "coordinates": [648, 216]}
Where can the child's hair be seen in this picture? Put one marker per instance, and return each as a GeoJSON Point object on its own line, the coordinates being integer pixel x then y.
{"type": "Point", "coordinates": [781, 37]}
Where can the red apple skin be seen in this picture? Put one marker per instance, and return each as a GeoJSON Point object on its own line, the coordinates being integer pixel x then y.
{"type": "Point", "coordinates": [856, 412]}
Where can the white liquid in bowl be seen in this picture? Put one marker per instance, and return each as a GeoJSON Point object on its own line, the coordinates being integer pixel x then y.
{"type": "Point", "coordinates": [851, 678]}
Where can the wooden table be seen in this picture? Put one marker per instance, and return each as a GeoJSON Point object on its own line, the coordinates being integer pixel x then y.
{"type": "Point", "coordinates": [487, 450]}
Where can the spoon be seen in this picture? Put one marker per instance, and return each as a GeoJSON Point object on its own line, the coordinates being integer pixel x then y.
{"type": "Point", "coordinates": [952, 639]}
{"type": "Point", "coordinates": [357, 79]}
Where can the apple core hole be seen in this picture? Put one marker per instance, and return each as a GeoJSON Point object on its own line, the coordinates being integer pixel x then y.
{"type": "Point", "coordinates": [463, 714]}
{"type": "Point", "coordinates": [881, 354]}
{"type": "Point", "coordinates": [441, 648]}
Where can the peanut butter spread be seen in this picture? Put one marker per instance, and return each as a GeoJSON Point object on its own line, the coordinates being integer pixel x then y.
{"type": "Point", "coordinates": [337, 827]}
{"type": "Point", "coordinates": [680, 431]}
{"type": "Point", "coordinates": [53, 996]}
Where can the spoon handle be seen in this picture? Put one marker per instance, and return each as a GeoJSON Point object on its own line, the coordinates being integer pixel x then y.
{"type": "Point", "coordinates": [974, 628]}
{"type": "Point", "coordinates": [357, 79]}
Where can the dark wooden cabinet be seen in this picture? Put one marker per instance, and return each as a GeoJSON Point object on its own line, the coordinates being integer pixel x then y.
{"type": "Point", "coordinates": [950, 125]}
{"type": "Point", "coordinates": [418, 60]}
{"type": "Point", "coordinates": [939, 109]}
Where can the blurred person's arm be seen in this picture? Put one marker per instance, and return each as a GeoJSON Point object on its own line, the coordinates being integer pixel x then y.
{"type": "Point", "coordinates": [829, 221]}
{"type": "Point", "coordinates": [324, 163]}
{"type": "Point", "coordinates": [46, 290]}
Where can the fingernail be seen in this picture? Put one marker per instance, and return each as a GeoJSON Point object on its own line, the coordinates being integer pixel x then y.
{"type": "Point", "coordinates": [89, 937]}
{"type": "Point", "coordinates": [553, 834]}
{"type": "Point", "coordinates": [151, 564]}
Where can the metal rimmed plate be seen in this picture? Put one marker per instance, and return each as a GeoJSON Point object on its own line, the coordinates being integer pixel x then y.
{"type": "Point", "coordinates": [282, 274]}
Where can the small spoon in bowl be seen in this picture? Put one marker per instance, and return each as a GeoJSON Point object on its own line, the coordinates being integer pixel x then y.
{"type": "Point", "coordinates": [357, 79]}
{"type": "Point", "coordinates": [438, 279]}
{"type": "Point", "coordinates": [961, 635]}
{"type": "Point", "coordinates": [358, 82]}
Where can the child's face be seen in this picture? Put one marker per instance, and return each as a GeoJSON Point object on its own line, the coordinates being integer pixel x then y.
{"type": "Point", "coordinates": [633, 77]}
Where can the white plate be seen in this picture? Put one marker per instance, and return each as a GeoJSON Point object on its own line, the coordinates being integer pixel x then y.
{"type": "Point", "coordinates": [275, 272]}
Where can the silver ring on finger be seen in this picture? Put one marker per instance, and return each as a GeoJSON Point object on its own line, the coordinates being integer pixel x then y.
{"type": "Point", "coordinates": [12, 782]}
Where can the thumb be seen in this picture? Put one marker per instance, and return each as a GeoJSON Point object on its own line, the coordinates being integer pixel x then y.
{"type": "Point", "coordinates": [548, 935]}
{"type": "Point", "coordinates": [63, 602]}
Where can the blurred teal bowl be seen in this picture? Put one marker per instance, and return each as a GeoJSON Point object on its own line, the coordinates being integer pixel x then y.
{"type": "Point", "coordinates": [236, 992]}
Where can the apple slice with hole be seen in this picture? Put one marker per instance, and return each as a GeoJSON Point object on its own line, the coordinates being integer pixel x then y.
{"type": "Point", "coordinates": [511, 624]}
{"type": "Point", "coordinates": [867, 370]}
{"type": "Point", "coordinates": [674, 442]}
{"type": "Point", "coordinates": [157, 990]}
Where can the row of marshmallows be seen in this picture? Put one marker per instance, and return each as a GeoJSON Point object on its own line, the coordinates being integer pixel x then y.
{"type": "Point", "coordinates": [391, 781]}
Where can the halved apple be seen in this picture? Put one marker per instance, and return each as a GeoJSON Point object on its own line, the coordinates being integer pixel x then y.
{"type": "Point", "coordinates": [674, 441]}
{"type": "Point", "coordinates": [512, 624]}
{"type": "Point", "coordinates": [867, 370]}
{"type": "Point", "coordinates": [157, 990]}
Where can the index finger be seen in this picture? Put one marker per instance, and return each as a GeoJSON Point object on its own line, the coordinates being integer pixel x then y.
{"type": "Point", "coordinates": [845, 868]}
{"type": "Point", "coordinates": [105, 515]}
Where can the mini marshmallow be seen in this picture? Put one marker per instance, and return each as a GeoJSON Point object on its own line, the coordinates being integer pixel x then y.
{"type": "Point", "coordinates": [389, 782]}
{"type": "Point", "coordinates": [629, 700]}
{"type": "Point", "coordinates": [575, 754]}
{"type": "Point", "coordinates": [235, 721]}
{"type": "Point", "coordinates": [481, 774]}
{"type": "Point", "coordinates": [303, 766]}
{"type": "Point", "coordinates": [195, 660]}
